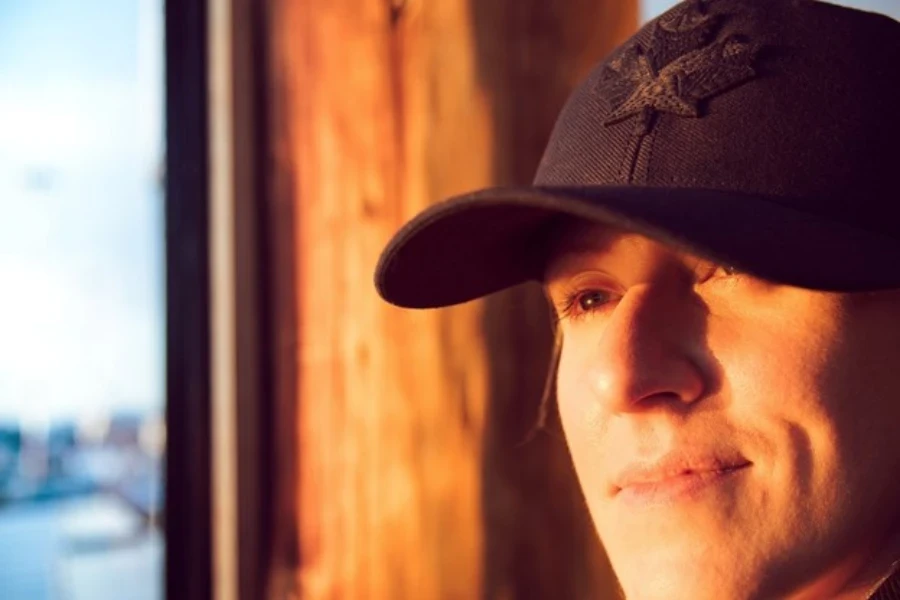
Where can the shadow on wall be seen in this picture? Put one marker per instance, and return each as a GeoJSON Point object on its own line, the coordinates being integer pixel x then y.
{"type": "Point", "coordinates": [539, 542]}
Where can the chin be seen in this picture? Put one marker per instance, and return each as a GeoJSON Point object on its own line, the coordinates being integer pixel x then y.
{"type": "Point", "coordinates": [694, 583]}
{"type": "Point", "coordinates": [691, 572]}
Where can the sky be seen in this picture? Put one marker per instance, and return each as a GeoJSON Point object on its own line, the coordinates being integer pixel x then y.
{"type": "Point", "coordinates": [81, 255]}
{"type": "Point", "coordinates": [651, 8]}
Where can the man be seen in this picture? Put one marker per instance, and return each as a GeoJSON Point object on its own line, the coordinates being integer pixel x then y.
{"type": "Point", "coordinates": [716, 223]}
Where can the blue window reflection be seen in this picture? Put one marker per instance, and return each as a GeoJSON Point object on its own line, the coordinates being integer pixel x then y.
{"type": "Point", "coordinates": [81, 303]}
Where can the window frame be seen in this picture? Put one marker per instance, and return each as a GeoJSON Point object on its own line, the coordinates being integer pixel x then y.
{"type": "Point", "coordinates": [188, 497]}
{"type": "Point", "coordinates": [228, 294]}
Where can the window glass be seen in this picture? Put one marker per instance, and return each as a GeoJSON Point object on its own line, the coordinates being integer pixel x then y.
{"type": "Point", "coordinates": [81, 307]}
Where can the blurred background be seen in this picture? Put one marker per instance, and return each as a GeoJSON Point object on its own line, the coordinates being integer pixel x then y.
{"type": "Point", "coordinates": [82, 429]}
{"type": "Point", "coordinates": [201, 395]}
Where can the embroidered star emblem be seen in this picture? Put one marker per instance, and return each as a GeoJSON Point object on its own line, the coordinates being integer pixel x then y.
{"type": "Point", "coordinates": [678, 71]}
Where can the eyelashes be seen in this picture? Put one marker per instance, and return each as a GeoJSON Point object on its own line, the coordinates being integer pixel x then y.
{"type": "Point", "coordinates": [729, 271]}
{"type": "Point", "coordinates": [584, 301]}
{"type": "Point", "coordinates": [579, 304]}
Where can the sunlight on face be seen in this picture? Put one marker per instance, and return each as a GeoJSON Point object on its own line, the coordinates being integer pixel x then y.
{"type": "Point", "coordinates": [734, 438]}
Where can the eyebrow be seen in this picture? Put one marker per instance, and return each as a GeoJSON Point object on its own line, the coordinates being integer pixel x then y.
{"type": "Point", "coordinates": [583, 247]}
{"type": "Point", "coordinates": [594, 244]}
{"type": "Point", "coordinates": [565, 260]}
{"type": "Point", "coordinates": [567, 257]}
{"type": "Point", "coordinates": [578, 248]}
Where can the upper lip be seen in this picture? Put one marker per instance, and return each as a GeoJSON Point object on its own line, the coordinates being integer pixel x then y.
{"type": "Point", "coordinates": [675, 464]}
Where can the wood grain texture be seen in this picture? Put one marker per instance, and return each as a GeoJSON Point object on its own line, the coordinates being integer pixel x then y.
{"type": "Point", "coordinates": [410, 479]}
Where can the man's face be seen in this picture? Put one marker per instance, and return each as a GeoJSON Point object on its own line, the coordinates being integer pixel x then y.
{"type": "Point", "coordinates": [734, 438]}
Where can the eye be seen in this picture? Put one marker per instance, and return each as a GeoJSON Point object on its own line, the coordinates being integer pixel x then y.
{"type": "Point", "coordinates": [724, 272]}
{"type": "Point", "coordinates": [582, 303]}
{"type": "Point", "coordinates": [727, 270]}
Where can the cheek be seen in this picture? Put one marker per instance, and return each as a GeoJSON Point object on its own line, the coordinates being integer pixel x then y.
{"type": "Point", "coordinates": [774, 364]}
{"type": "Point", "coordinates": [578, 412]}
{"type": "Point", "coordinates": [773, 390]}
{"type": "Point", "coordinates": [795, 392]}
{"type": "Point", "coordinates": [582, 421]}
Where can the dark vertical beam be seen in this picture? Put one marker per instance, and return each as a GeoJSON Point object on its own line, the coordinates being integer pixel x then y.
{"type": "Point", "coordinates": [275, 186]}
{"type": "Point", "coordinates": [188, 562]}
{"type": "Point", "coordinates": [261, 271]}
{"type": "Point", "coordinates": [252, 354]}
{"type": "Point", "coordinates": [267, 477]}
{"type": "Point", "coordinates": [278, 443]}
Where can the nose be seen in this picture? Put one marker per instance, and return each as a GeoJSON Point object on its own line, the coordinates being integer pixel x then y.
{"type": "Point", "coordinates": [646, 354]}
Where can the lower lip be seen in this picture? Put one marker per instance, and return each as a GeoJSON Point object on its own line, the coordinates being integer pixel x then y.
{"type": "Point", "coordinates": [680, 488]}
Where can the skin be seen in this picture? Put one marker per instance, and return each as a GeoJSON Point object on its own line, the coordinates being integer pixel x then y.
{"type": "Point", "coordinates": [669, 357]}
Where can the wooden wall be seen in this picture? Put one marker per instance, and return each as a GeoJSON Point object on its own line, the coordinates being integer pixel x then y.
{"type": "Point", "coordinates": [399, 431]}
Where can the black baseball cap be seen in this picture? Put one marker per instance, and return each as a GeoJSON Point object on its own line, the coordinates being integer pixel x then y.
{"type": "Point", "coordinates": [762, 134]}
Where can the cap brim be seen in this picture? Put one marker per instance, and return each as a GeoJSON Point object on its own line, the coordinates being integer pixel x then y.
{"type": "Point", "coordinates": [479, 243]}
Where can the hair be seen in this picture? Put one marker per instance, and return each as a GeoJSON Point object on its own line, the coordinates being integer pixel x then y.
{"type": "Point", "coordinates": [554, 237]}
{"type": "Point", "coordinates": [548, 394]}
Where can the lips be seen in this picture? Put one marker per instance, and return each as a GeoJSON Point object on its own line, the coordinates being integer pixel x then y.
{"type": "Point", "coordinates": [675, 476]}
